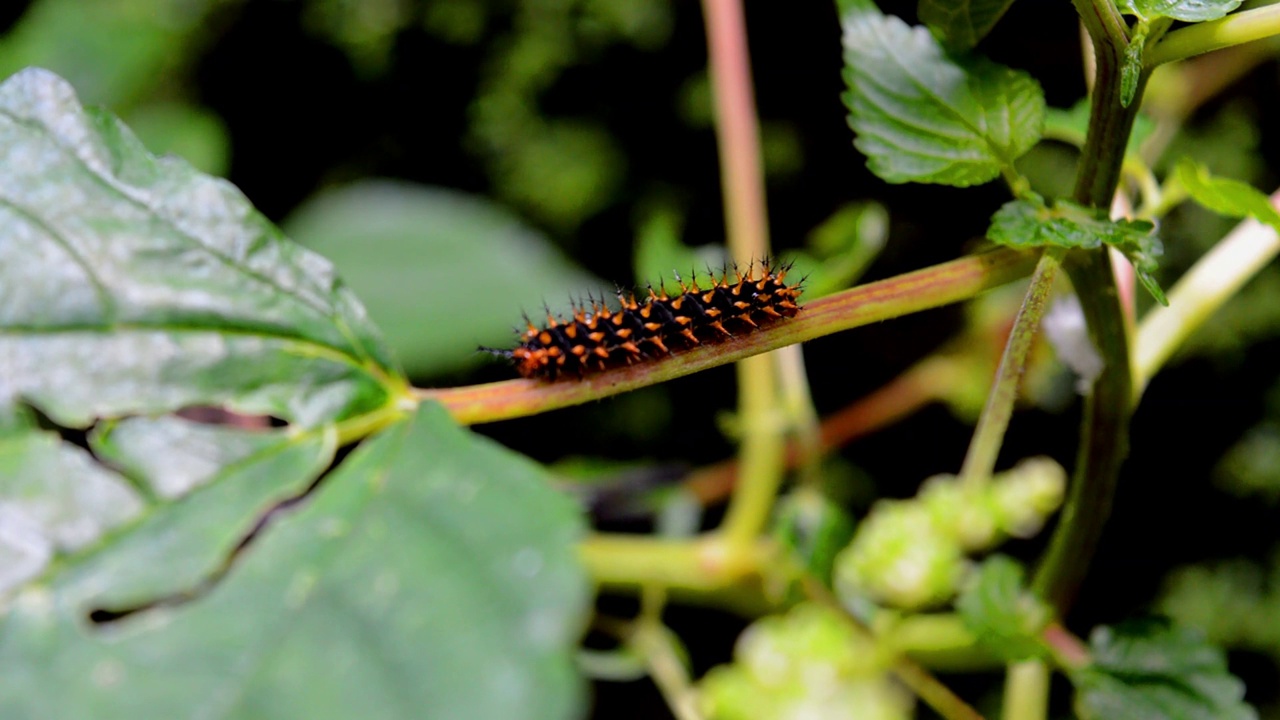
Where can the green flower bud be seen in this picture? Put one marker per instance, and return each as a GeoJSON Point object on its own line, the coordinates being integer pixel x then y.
{"type": "Point", "coordinates": [901, 557]}
{"type": "Point", "coordinates": [969, 517]}
{"type": "Point", "coordinates": [809, 663]}
{"type": "Point", "coordinates": [1026, 495]}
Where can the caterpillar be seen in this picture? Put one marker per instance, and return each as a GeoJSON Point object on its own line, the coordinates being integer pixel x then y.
{"type": "Point", "coordinates": [596, 337]}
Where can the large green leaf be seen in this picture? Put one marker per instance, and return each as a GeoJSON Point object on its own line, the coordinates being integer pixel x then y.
{"type": "Point", "coordinates": [960, 24]}
{"type": "Point", "coordinates": [1150, 669]}
{"type": "Point", "coordinates": [922, 116]}
{"type": "Point", "coordinates": [432, 575]}
{"type": "Point", "coordinates": [440, 271]}
{"type": "Point", "coordinates": [134, 284]}
{"type": "Point", "coordinates": [53, 499]}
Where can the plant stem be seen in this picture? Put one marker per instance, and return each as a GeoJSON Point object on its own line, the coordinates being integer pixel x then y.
{"type": "Point", "coordinates": [762, 445]}
{"type": "Point", "coordinates": [926, 687]}
{"type": "Point", "coordinates": [700, 565]}
{"type": "Point", "coordinates": [656, 644]}
{"type": "Point", "coordinates": [894, 297]}
{"type": "Point", "coordinates": [1236, 29]}
{"type": "Point", "coordinates": [1026, 691]}
{"type": "Point", "coordinates": [1213, 280]}
{"type": "Point", "coordinates": [984, 448]}
{"type": "Point", "coordinates": [1105, 434]}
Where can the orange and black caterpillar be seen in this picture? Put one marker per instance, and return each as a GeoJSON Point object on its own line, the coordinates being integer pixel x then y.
{"type": "Point", "coordinates": [596, 337]}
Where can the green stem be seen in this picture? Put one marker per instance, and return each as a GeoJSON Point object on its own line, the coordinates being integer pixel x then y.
{"type": "Point", "coordinates": [661, 651]}
{"type": "Point", "coordinates": [928, 688]}
{"type": "Point", "coordinates": [1203, 289]}
{"type": "Point", "coordinates": [1104, 437]}
{"type": "Point", "coordinates": [871, 303]}
{"type": "Point", "coordinates": [980, 460]}
{"type": "Point", "coordinates": [762, 447]}
{"type": "Point", "coordinates": [1026, 691]}
{"type": "Point", "coordinates": [1237, 29]}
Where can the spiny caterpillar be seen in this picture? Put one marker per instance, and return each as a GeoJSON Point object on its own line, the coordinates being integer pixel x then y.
{"type": "Point", "coordinates": [596, 337]}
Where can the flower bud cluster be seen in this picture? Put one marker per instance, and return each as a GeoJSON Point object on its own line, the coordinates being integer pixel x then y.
{"type": "Point", "coordinates": [810, 663]}
{"type": "Point", "coordinates": [913, 553]}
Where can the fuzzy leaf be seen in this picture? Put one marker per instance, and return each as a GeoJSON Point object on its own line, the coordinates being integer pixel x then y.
{"type": "Point", "coordinates": [922, 116]}
{"type": "Point", "coordinates": [431, 575]}
{"type": "Point", "coordinates": [1000, 610]}
{"type": "Point", "coordinates": [962, 24]}
{"type": "Point", "coordinates": [131, 284]}
{"type": "Point", "coordinates": [1151, 669]}
{"type": "Point", "coordinates": [1224, 195]}
{"type": "Point", "coordinates": [53, 499]}
{"type": "Point", "coordinates": [1185, 10]}
{"type": "Point", "coordinates": [1019, 223]}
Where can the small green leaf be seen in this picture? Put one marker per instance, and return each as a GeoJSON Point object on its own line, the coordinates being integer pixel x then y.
{"type": "Point", "coordinates": [1021, 224]}
{"type": "Point", "coordinates": [813, 529]}
{"type": "Point", "coordinates": [433, 574]}
{"type": "Point", "coordinates": [1224, 195]}
{"type": "Point", "coordinates": [1131, 70]}
{"type": "Point", "coordinates": [659, 249]}
{"type": "Point", "coordinates": [1151, 669]}
{"type": "Point", "coordinates": [922, 116]}
{"type": "Point", "coordinates": [999, 609]}
{"type": "Point", "coordinates": [841, 248]}
{"type": "Point", "coordinates": [1185, 10]}
{"type": "Point", "coordinates": [131, 284]}
{"type": "Point", "coordinates": [962, 24]}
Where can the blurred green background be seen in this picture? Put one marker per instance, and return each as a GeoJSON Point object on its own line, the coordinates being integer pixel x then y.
{"type": "Point", "coordinates": [463, 161]}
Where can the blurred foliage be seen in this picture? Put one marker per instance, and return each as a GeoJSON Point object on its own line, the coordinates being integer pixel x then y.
{"type": "Point", "coordinates": [808, 663]}
{"type": "Point", "coordinates": [439, 271]}
{"type": "Point", "coordinates": [121, 53]}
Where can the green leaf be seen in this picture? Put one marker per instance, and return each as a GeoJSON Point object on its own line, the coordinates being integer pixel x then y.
{"type": "Point", "coordinates": [841, 248]}
{"type": "Point", "coordinates": [814, 529]}
{"type": "Point", "coordinates": [1131, 70]}
{"type": "Point", "coordinates": [921, 116]}
{"type": "Point", "coordinates": [131, 284]}
{"type": "Point", "coordinates": [1224, 195]}
{"type": "Point", "coordinates": [432, 575]}
{"type": "Point", "coordinates": [659, 249]}
{"type": "Point", "coordinates": [962, 24]}
{"type": "Point", "coordinates": [116, 51]}
{"type": "Point", "coordinates": [1022, 224]}
{"type": "Point", "coordinates": [1185, 10]}
{"type": "Point", "coordinates": [999, 609]}
{"type": "Point", "coordinates": [170, 456]}
{"type": "Point", "coordinates": [53, 499]}
{"type": "Point", "coordinates": [440, 271]}
{"type": "Point", "coordinates": [176, 547]}
{"type": "Point", "coordinates": [1151, 669]}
